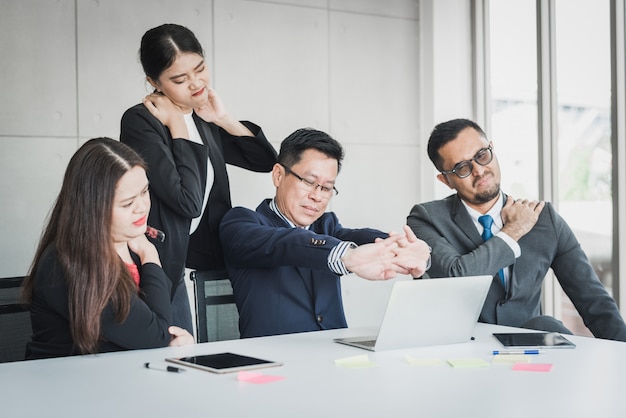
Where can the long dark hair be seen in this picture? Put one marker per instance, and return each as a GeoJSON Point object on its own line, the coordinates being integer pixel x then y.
{"type": "Point", "coordinates": [161, 45]}
{"type": "Point", "coordinates": [79, 228]}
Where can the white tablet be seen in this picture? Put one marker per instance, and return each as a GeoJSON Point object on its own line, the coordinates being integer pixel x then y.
{"type": "Point", "coordinates": [224, 362]}
{"type": "Point", "coordinates": [534, 340]}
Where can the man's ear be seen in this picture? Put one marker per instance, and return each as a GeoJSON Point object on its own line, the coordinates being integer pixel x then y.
{"type": "Point", "coordinates": [278, 174]}
{"type": "Point", "coordinates": [444, 179]}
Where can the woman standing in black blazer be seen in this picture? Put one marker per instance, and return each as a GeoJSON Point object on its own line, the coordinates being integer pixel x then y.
{"type": "Point", "coordinates": [187, 137]}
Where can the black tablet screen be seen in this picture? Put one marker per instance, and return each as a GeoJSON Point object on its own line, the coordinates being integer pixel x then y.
{"type": "Point", "coordinates": [534, 339]}
{"type": "Point", "coordinates": [224, 360]}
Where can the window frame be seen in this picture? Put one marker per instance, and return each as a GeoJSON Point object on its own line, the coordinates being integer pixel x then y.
{"type": "Point", "coordinates": [548, 123]}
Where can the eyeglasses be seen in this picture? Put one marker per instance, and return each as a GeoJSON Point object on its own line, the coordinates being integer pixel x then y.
{"type": "Point", "coordinates": [464, 168]}
{"type": "Point", "coordinates": [310, 186]}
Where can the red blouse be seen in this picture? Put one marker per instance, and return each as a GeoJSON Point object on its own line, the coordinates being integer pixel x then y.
{"type": "Point", "coordinates": [134, 272]}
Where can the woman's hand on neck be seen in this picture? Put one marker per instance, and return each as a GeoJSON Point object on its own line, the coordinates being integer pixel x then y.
{"type": "Point", "coordinates": [146, 251]}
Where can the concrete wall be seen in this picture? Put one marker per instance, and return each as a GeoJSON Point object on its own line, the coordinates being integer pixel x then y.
{"type": "Point", "coordinates": [366, 71]}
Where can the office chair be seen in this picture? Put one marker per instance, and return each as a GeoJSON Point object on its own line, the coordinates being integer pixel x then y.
{"type": "Point", "coordinates": [15, 328]}
{"type": "Point", "coordinates": [217, 318]}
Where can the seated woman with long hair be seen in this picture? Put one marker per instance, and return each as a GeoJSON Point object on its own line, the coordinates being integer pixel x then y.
{"type": "Point", "coordinates": [96, 282]}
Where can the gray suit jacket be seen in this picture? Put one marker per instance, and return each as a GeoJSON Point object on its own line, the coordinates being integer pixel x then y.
{"type": "Point", "coordinates": [458, 250]}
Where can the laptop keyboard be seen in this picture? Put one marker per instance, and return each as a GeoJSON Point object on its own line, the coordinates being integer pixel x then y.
{"type": "Point", "coordinates": [368, 343]}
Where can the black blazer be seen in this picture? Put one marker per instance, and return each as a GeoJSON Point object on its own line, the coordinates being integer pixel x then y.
{"type": "Point", "coordinates": [177, 173]}
{"type": "Point", "coordinates": [146, 325]}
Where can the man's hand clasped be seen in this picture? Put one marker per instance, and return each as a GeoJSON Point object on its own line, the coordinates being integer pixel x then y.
{"type": "Point", "coordinates": [386, 258]}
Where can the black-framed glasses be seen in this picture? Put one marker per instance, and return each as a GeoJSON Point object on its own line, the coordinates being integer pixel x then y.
{"type": "Point", "coordinates": [310, 186]}
{"type": "Point", "coordinates": [464, 168]}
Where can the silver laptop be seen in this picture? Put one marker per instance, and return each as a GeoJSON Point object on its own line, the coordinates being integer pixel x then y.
{"type": "Point", "coordinates": [428, 312]}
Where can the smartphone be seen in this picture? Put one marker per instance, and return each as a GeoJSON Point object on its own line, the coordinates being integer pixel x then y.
{"type": "Point", "coordinates": [224, 362]}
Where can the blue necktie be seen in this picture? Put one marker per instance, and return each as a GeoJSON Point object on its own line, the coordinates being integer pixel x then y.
{"type": "Point", "coordinates": [486, 221]}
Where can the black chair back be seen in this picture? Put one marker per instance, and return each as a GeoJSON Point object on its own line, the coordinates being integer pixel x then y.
{"type": "Point", "coordinates": [15, 328]}
{"type": "Point", "coordinates": [217, 318]}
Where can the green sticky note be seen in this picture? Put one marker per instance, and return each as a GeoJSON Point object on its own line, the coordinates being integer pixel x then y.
{"type": "Point", "coordinates": [423, 361]}
{"type": "Point", "coordinates": [355, 362]}
{"type": "Point", "coordinates": [467, 362]}
{"type": "Point", "coordinates": [510, 358]}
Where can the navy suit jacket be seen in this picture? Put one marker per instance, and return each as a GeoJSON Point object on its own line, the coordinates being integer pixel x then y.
{"type": "Point", "coordinates": [280, 275]}
{"type": "Point", "coordinates": [459, 250]}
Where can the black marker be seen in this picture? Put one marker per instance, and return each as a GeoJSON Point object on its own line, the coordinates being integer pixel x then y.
{"type": "Point", "coordinates": [163, 368]}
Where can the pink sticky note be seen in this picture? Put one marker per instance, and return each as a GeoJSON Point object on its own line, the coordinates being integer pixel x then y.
{"type": "Point", "coordinates": [258, 378]}
{"type": "Point", "coordinates": [532, 367]}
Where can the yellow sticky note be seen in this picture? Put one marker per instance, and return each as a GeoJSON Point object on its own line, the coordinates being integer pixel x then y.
{"type": "Point", "coordinates": [467, 362]}
{"type": "Point", "coordinates": [423, 361]}
{"type": "Point", "coordinates": [355, 362]}
{"type": "Point", "coordinates": [510, 358]}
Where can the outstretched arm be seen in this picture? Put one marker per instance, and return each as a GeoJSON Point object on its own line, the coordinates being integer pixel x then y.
{"type": "Point", "coordinates": [374, 261]}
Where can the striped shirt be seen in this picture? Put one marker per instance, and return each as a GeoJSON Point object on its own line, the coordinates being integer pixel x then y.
{"type": "Point", "coordinates": [335, 264]}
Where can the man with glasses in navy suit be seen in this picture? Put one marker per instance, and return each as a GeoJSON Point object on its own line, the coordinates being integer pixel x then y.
{"type": "Point", "coordinates": [285, 259]}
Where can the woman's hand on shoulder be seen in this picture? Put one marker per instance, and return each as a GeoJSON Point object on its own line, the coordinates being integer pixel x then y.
{"type": "Point", "coordinates": [180, 337]}
{"type": "Point", "coordinates": [169, 114]}
{"type": "Point", "coordinates": [146, 251]}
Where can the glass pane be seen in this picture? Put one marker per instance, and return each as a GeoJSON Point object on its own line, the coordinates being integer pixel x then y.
{"type": "Point", "coordinates": [512, 26]}
{"type": "Point", "coordinates": [584, 126]}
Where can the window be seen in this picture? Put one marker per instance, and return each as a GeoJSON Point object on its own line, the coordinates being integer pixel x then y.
{"type": "Point", "coordinates": [513, 85]}
{"type": "Point", "coordinates": [583, 79]}
{"type": "Point", "coordinates": [581, 150]}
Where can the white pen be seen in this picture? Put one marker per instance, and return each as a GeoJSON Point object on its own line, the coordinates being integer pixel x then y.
{"type": "Point", "coordinates": [163, 368]}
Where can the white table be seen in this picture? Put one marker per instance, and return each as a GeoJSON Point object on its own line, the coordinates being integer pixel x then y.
{"type": "Point", "coordinates": [588, 381]}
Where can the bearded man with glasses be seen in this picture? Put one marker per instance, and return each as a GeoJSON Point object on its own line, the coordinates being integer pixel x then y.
{"type": "Point", "coordinates": [285, 259]}
{"type": "Point", "coordinates": [480, 230]}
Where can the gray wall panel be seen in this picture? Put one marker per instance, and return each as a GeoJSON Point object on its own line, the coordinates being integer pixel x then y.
{"type": "Point", "coordinates": [376, 186]}
{"type": "Point", "coordinates": [37, 68]}
{"type": "Point", "coordinates": [271, 64]}
{"type": "Point", "coordinates": [29, 184]}
{"type": "Point", "coordinates": [344, 66]}
{"type": "Point", "coordinates": [405, 9]}
{"type": "Point", "coordinates": [271, 67]}
{"type": "Point", "coordinates": [110, 77]}
{"type": "Point", "coordinates": [374, 79]}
